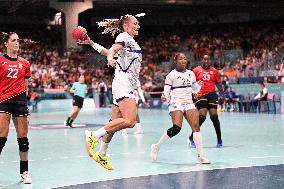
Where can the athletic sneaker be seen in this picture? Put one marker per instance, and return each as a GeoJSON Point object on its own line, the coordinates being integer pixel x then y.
{"type": "Point", "coordinates": [203, 160]}
{"type": "Point", "coordinates": [68, 125]}
{"type": "Point", "coordinates": [103, 160]}
{"type": "Point", "coordinates": [191, 143]}
{"type": "Point", "coordinates": [154, 152]}
{"type": "Point", "coordinates": [138, 131]}
{"type": "Point", "coordinates": [91, 142]}
{"type": "Point", "coordinates": [26, 179]}
{"type": "Point", "coordinates": [219, 144]}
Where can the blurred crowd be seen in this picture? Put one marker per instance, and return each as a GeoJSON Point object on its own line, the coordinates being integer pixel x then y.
{"type": "Point", "coordinates": [244, 51]}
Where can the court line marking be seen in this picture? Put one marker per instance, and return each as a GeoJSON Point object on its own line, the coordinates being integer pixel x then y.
{"type": "Point", "coordinates": [264, 157]}
{"type": "Point", "coordinates": [140, 152]}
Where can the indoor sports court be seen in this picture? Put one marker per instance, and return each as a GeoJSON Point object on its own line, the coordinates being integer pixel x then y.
{"type": "Point", "coordinates": [81, 69]}
{"type": "Point", "coordinates": [252, 156]}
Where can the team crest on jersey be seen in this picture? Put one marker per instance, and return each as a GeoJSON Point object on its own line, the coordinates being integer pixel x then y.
{"type": "Point", "coordinates": [211, 72]}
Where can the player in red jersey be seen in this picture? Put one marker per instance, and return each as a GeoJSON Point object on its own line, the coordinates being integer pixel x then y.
{"type": "Point", "coordinates": [14, 74]}
{"type": "Point", "coordinates": [207, 99]}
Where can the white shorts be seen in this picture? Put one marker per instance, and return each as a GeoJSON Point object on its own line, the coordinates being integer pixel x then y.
{"type": "Point", "coordinates": [122, 89]}
{"type": "Point", "coordinates": [181, 106]}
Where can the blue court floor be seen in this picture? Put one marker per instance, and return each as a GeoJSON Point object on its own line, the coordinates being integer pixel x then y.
{"type": "Point", "coordinates": [252, 155]}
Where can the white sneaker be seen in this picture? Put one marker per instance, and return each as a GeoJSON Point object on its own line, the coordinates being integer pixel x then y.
{"type": "Point", "coordinates": [154, 152]}
{"type": "Point", "coordinates": [203, 160]}
{"type": "Point", "coordinates": [26, 179]}
{"type": "Point", "coordinates": [138, 131]}
{"type": "Point", "coordinates": [124, 131]}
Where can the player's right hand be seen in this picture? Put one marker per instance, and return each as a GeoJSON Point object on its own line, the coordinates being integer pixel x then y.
{"type": "Point", "coordinates": [88, 41]}
{"type": "Point", "coordinates": [163, 98]}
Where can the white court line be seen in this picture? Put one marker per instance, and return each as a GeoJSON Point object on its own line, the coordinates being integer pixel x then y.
{"type": "Point", "coordinates": [140, 152]}
{"type": "Point", "coordinates": [264, 157]}
{"type": "Point", "coordinates": [170, 150]}
{"type": "Point", "coordinates": [126, 153]}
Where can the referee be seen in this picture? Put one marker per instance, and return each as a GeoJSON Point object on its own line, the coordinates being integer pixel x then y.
{"type": "Point", "coordinates": [80, 90]}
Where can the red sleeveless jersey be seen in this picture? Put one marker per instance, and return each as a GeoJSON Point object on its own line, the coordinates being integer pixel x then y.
{"type": "Point", "coordinates": [13, 72]}
{"type": "Point", "coordinates": [210, 78]}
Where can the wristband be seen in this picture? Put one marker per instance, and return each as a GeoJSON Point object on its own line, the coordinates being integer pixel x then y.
{"type": "Point", "coordinates": [98, 47]}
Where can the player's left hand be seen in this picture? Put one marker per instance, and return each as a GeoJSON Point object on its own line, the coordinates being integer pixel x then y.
{"type": "Point", "coordinates": [111, 63]}
{"type": "Point", "coordinates": [200, 82]}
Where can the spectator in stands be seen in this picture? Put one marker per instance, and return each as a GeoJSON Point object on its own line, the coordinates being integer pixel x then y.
{"type": "Point", "coordinates": [34, 100]}
{"type": "Point", "coordinates": [102, 88]}
{"type": "Point", "coordinates": [95, 85]}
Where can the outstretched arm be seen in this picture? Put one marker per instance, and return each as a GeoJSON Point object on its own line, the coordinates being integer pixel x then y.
{"type": "Point", "coordinates": [102, 50]}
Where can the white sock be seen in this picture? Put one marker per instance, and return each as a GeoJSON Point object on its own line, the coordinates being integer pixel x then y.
{"type": "Point", "coordinates": [103, 148]}
{"type": "Point", "coordinates": [101, 132]}
{"type": "Point", "coordinates": [163, 139]}
{"type": "Point", "coordinates": [197, 138]}
{"type": "Point", "coordinates": [138, 126]}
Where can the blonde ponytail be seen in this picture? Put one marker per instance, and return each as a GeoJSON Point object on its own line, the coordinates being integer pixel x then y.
{"type": "Point", "coordinates": [113, 26]}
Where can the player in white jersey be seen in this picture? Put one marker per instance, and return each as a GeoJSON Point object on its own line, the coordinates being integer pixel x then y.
{"type": "Point", "coordinates": [180, 84]}
{"type": "Point", "coordinates": [139, 94]}
{"type": "Point", "coordinates": [123, 86]}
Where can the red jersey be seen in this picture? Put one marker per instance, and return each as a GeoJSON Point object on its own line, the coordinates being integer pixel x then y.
{"type": "Point", "coordinates": [210, 78]}
{"type": "Point", "coordinates": [13, 72]}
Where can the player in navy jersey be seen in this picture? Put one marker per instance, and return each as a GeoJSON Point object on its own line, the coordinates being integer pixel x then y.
{"type": "Point", "coordinates": [180, 84]}
{"type": "Point", "coordinates": [14, 74]}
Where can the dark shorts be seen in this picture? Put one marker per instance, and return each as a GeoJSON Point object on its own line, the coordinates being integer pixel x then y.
{"type": "Point", "coordinates": [78, 101]}
{"type": "Point", "coordinates": [16, 106]}
{"type": "Point", "coordinates": [208, 101]}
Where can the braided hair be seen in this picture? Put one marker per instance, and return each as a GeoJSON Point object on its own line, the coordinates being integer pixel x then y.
{"type": "Point", "coordinates": [114, 26]}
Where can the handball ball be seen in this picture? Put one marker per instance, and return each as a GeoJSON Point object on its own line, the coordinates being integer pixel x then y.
{"type": "Point", "coordinates": [79, 33]}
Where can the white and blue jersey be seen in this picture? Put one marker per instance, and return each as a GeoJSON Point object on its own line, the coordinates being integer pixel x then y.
{"type": "Point", "coordinates": [178, 90]}
{"type": "Point", "coordinates": [127, 67]}
{"type": "Point", "coordinates": [80, 89]}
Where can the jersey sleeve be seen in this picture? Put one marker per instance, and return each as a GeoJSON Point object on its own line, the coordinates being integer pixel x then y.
{"type": "Point", "coordinates": [168, 86]}
{"type": "Point", "coordinates": [217, 77]}
{"type": "Point", "coordinates": [123, 38]}
{"type": "Point", "coordinates": [168, 80]}
{"type": "Point", "coordinates": [74, 86]}
{"type": "Point", "coordinates": [195, 71]}
{"type": "Point", "coordinates": [27, 70]}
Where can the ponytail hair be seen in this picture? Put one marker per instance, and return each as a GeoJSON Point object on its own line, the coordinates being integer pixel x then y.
{"type": "Point", "coordinates": [114, 26]}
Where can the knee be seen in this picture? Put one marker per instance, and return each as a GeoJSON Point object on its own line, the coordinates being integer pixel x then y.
{"type": "Point", "coordinates": [2, 143]}
{"type": "Point", "coordinates": [214, 118]}
{"type": "Point", "coordinates": [130, 123]}
{"type": "Point", "coordinates": [23, 144]}
{"type": "Point", "coordinates": [173, 131]}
